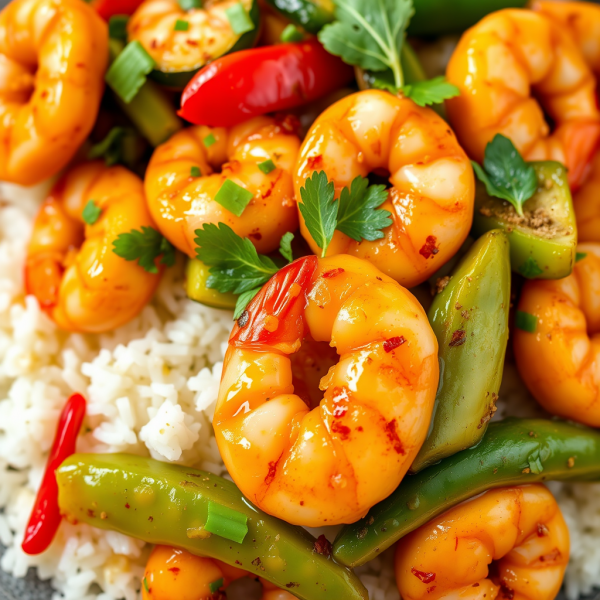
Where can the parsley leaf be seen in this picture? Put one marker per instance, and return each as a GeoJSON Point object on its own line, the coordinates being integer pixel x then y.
{"type": "Point", "coordinates": [433, 91]}
{"type": "Point", "coordinates": [369, 34]}
{"type": "Point", "coordinates": [285, 246]}
{"type": "Point", "coordinates": [506, 174]}
{"type": "Point", "coordinates": [111, 147]}
{"type": "Point", "coordinates": [91, 213]}
{"type": "Point", "coordinates": [243, 301]}
{"type": "Point", "coordinates": [319, 208]}
{"type": "Point", "coordinates": [235, 265]}
{"type": "Point", "coordinates": [145, 246]}
{"type": "Point", "coordinates": [530, 268]}
{"type": "Point", "coordinates": [357, 217]}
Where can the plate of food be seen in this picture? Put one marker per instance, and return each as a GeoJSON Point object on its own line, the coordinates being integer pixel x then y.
{"type": "Point", "coordinates": [299, 300]}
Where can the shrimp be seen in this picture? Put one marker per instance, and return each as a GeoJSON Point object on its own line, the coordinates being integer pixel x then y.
{"type": "Point", "coordinates": [518, 530]}
{"type": "Point", "coordinates": [560, 361]}
{"type": "Point", "coordinates": [53, 55]}
{"type": "Point", "coordinates": [582, 21]}
{"type": "Point", "coordinates": [180, 202]}
{"type": "Point", "coordinates": [208, 35]}
{"type": "Point", "coordinates": [432, 193]}
{"type": "Point", "coordinates": [328, 464]}
{"type": "Point", "coordinates": [174, 573]}
{"type": "Point", "coordinates": [503, 66]}
{"type": "Point", "coordinates": [71, 267]}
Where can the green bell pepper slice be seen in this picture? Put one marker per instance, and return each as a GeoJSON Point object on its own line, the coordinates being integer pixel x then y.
{"type": "Point", "coordinates": [196, 275]}
{"type": "Point", "coordinates": [437, 17]}
{"type": "Point", "coordinates": [513, 452]}
{"type": "Point", "coordinates": [311, 15]}
{"type": "Point", "coordinates": [170, 504]}
{"type": "Point", "coordinates": [470, 320]}
{"type": "Point", "coordinates": [544, 245]}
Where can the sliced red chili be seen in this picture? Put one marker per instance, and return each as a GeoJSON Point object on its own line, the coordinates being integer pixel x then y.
{"type": "Point", "coordinates": [422, 576]}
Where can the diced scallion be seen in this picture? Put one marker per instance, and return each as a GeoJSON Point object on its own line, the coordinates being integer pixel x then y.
{"type": "Point", "coordinates": [226, 522]}
{"type": "Point", "coordinates": [145, 581]}
{"type": "Point", "coordinates": [291, 34]}
{"type": "Point", "coordinates": [181, 25]}
{"type": "Point", "coordinates": [128, 72]}
{"type": "Point", "coordinates": [580, 256]}
{"type": "Point", "coordinates": [189, 4]}
{"type": "Point", "coordinates": [526, 321]}
{"type": "Point", "coordinates": [267, 166]}
{"type": "Point", "coordinates": [209, 140]}
{"type": "Point", "coordinates": [215, 586]}
{"type": "Point", "coordinates": [117, 27]}
{"type": "Point", "coordinates": [195, 172]}
{"type": "Point", "coordinates": [233, 197]}
{"type": "Point", "coordinates": [239, 19]}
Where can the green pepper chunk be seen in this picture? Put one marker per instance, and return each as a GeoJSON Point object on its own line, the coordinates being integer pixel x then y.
{"type": "Point", "coordinates": [512, 452]}
{"type": "Point", "coordinates": [311, 15]}
{"type": "Point", "coordinates": [470, 320]}
{"type": "Point", "coordinates": [435, 17]}
{"type": "Point", "coordinates": [543, 243]}
{"type": "Point", "coordinates": [168, 504]}
{"type": "Point", "coordinates": [196, 275]}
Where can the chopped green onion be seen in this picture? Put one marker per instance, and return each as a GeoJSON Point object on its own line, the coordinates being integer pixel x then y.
{"type": "Point", "coordinates": [181, 25]}
{"type": "Point", "coordinates": [110, 148]}
{"type": "Point", "coordinates": [526, 322]}
{"type": "Point", "coordinates": [530, 268]}
{"type": "Point", "coordinates": [267, 166]}
{"type": "Point", "coordinates": [146, 585]}
{"type": "Point", "coordinates": [209, 140]}
{"type": "Point", "coordinates": [189, 4]}
{"type": "Point", "coordinates": [195, 172]}
{"type": "Point", "coordinates": [91, 212]}
{"type": "Point", "coordinates": [215, 586]}
{"type": "Point", "coordinates": [226, 522]}
{"type": "Point", "coordinates": [291, 34]}
{"type": "Point", "coordinates": [128, 72]}
{"type": "Point", "coordinates": [117, 27]}
{"type": "Point", "coordinates": [580, 256]}
{"type": "Point", "coordinates": [233, 197]}
{"type": "Point", "coordinates": [239, 19]}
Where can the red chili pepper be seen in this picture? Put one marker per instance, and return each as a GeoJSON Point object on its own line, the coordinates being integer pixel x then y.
{"type": "Point", "coordinates": [109, 8]}
{"type": "Point", "coordinates": [254, 82]}
{"type": "Point", "coordinates": [45, 516]}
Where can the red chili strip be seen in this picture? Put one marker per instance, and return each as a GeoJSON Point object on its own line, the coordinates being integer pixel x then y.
{"type": "Point", "coordinates": [393, 343]}
{"type": "Point", "coordinates": [422, 576]}
{"type": "Point", "coordinates": [45, 516]}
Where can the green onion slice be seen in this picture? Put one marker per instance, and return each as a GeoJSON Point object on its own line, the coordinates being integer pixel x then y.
{"type": "Point", "coordinates": [195, 172]}
{"type": "Point", "coordinates": [226, 522]}
{"type": "Point", "coordinates": [267, 166]}
{"type": "Point", "coordinates": [146, 584]}
{"type": "Point", "coordinates": [233, 197]}
{"type": "Point", "coordinates": [215, 586]}
{"type": "Point", "coordinates": [291, 34]}
{"type": "Point", "coordinates": [128, 72]}
{"type": "Point", "coordinates": [580, 256]}
{"type": "Point", "coordinates": [189, 4]}
{"type": "Point", "coordinates": [181, 25]}
{"type": "Point", "coordinates": [239, 19]}
{"type": "Point", "coordinates": [209, 140]}
{"type": "Point", "coordinates": [117, 27]}
{"type": "Point", "coordinates": [530, 268]}
{"type": "Point", "coordinates": [526, 321]}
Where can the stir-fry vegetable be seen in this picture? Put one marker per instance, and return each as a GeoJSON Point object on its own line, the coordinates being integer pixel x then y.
{"type": "Point", "coordinates": [311, 15]}
{"type": "Point", "coordinates": [202, 513]}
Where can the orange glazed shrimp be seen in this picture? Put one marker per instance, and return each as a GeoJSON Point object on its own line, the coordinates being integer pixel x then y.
{"type": "Point", "coordinates": [582, 21]}
{"type": "Point", "coordinates": [519, 529]}
{"type": "Point", "coordinates": [432, 193]}
{"type": "Point", "coordinates": [177, 574]}
{"type": "Point", "coordinates": [182, 186]}
{"type": "Point", "coordinates": [560, 361]}
{"type": "Point", "coordinates": [326, 463]}
{"type": "Point", "coordinates": [501, 66]}
{"type": "Point", "coordinates": [53, 54]}
{"type": "Point", "coordinates": [71, 267]}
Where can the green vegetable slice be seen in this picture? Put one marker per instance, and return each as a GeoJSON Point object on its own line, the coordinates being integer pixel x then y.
{"type": "Point", "coordinates": [233, 197]}
{"type": "Point", "coordinates": [127, 74]}
{"type": "Point", "coordinates": [189, 4]}
{"type": "Point", "coordinates": [195, 172]}
{"type": "Point", "coordinates": [226, 522]}
{"type": "Point", "coordinates": [181, 25]}
{"type": "Point", "coordinates": [291, 34]}
{"type": "Point", "coordinates": [239, 19]}
{"type": "Point", "coordinates": [526, 321]}
{"type": "Point", "coordinates": [267, 166]}
{"type": "Point", "coordinates": [91, 213]}
{"type": "Point", "coordinates": [117, 27]}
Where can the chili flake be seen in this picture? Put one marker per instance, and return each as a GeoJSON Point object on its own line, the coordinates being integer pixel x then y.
{"type": "Point", "coordinates": [459, 337]}
{"type": "Point", "coordinates": [332, 273]}
{"type": "Point", "coordinates": [429, 248]}
{"type": "Point", "coordinates": [322, 546]}
{"type": "Point", "coordinates": [422, 576]}
{"type": "Point", "coordinates": [393, 343]}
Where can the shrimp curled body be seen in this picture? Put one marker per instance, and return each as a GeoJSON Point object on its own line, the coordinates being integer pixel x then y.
{"type": "Point", "coordinates": [499, 65]}
{"type": "Point", "coordinates": [71, 267]}
{"type": "Point", "coordinates": [330, 464]}
{"type": "Point", "coordinates": [560, 361]}
{"type": "Point", "coordinates": [181, 201]}
{"type": "Point", "coordinates": [432, 193]}
{"type": "Point", "coordinates": [521, 529]}
{"type": "Point", "coordinates": [53, 55]}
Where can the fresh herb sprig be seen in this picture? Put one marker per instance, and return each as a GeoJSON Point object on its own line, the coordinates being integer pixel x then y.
{"type": "Point", "coordinates": [145, 247]}
{"type": "Point", "coordinates": [356, 214]}
{"type": "Point", "coordinates": [505, 173]}
{"type": "Point", "coordinates": [432, 91]}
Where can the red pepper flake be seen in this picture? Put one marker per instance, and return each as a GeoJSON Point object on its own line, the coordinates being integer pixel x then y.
{"type": "Point", "coordinates": [332, 273]}
{"type": "Point", "coordinates": [459, 337]}
{"type": "Point", "coordinates": [322, 546]}
{"type": "Point", "coordinates": [150, 519]}
{"type": "Point", "coordinates": [391, 429]}
{"type": "Point", "coordinates": [542, 530]}
{"type": "Point", "coordinates": [393, 343]}
{"type": "Point", "coordinates": [272, 472]}
{"type": "Point", "coordinates": [175, 570]}
{"type": "Point", "coordinates": [339, 411]}
{"type": "Point", "coordinates": [506, 592]}
{"type": "Point", "coordinates": [256, 236]}
{"type": "Point", "coordinates": [430, 589]}
{"type": "Point", "coordinates": [314, 162]}
{"type": "Point", "coordinates": [422, 576]}
{"type": "Point", "coordinates": [127, 505]}
{"type": "Point", "coordinates": [429, 248]}
{"type": "Point", "coordinates": [342, 430]}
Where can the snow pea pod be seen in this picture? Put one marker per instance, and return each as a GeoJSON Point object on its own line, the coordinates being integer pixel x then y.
{"type": "Point", "coordinates": [170, 504]}
{"type": "Point", "coordinates": [512, 452]}
{"type": "Point", "coordinates": [543, 243]}
{"type": "Point", "coordinates": [470, 320]}
{"type": "Point", "coordinates": [435, 17]}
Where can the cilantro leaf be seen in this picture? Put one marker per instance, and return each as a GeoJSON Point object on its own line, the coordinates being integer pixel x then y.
{"type": "Point", "coordinates": [243, 301]}
{"type": "Point", "coordinates": [111, 147]}
{"type": "Point", "coordinates": [369, 34]}
{"type": "Point", "coordinates": [285, 246]}
{"type": "Point", "coordinates": [357, 217]}
{"type": "Point", "coordinates": [530, 268]}
{"type": "Point", "coordinates": [91, 213]}
{"type": "Point", "coordinates": [506, 174]}
{"type": "Point", "coordinates": [319, 209]}
{"type": "Point", "coordinates": [433, 91]}
{"type": "Point", "coordinates": [235, 265]}
{"type": "Point", "coordinates": [145, 246]}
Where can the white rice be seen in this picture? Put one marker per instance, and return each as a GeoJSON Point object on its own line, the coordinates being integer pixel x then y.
{"type": "Point", "coordinates": [151, 388]}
